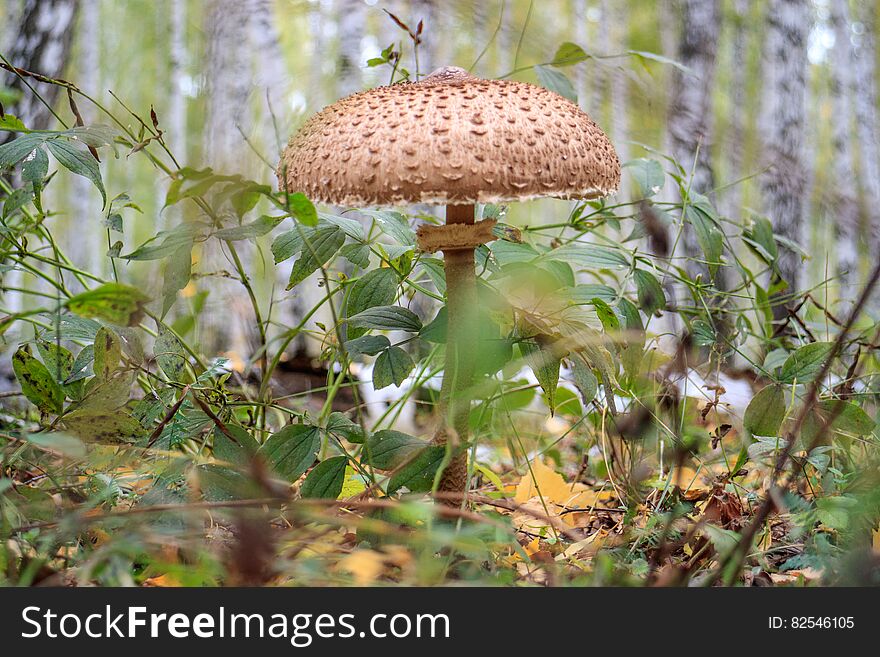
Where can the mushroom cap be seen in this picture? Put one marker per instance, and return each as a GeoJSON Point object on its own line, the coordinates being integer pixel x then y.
{"type": "Point", "coordinates": [451, 138]}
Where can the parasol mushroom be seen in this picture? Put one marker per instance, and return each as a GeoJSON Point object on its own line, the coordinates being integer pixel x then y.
{"type": "Point", "coordinates": [457, 140]}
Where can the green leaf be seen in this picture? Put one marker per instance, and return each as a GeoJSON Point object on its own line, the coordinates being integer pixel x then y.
{"type": "Point", "coordinates": [834, 512]}
{"type": "Point", "coordinates": [11, 123]}
{"type": "Point", "coordinates": [650, 292]}
{"type": "Point", "coordinates": [392, 366]}
{"type": "Point", "coordinates": [178, 271]}
{"type": "Point", "coordinates": [766, 411]}
{"type": "Point", "coordinates": [545, 367]}
{"type": "Point", "coordinates": [37, 383]}
{"type": "Point", "coordinates": [387, 318]}
{"type": "Point", "coordinates": [78, 161]}
{"type": "Point", "coordinates": [326, 480]}
{"type": "Point", "coordinates": [568, 54]}
{"type": "Point", "coordinates": [589, 256]}
{"type": "Point", "coordinates": [368, 345]}
{"type": "Point", "coordinates": [393, 224]}
{"type": "Point", "coordinates": [805, 363]}
{"type": "Point", "coordinates": [170, 355]}
{"type": "Point", "coordinates": [58, 360]}
{"type": "Point", "coordinates": [584, 380]}
{"type": "Point", "coordinates": [388, 449]}
{"type": "Point", "coordinates": [375, 288]}
{"type": "Point", "coordinates": [35, 166]}
{"type": "Point", "coordinates": [13, 152]}
{"type": "Point", "coordinates": [556, 82]}
{"type": "Point", "coordinates": [293, 450]}
{"type": "Point", "coordinates": [318, 246]}
{"type": "Point", "coordinates": [109, 427]}
{"type": "Point", "coordinates": [339, 424]}
{"type": "Point", "coordinates": [357, 254]}
{"type": "Point", "coordinates": [642, 54]}
{"type": "Point", "coordinates": [108, 352]}
{"type": "Point", "coordinates": [253, 230]}
{"type": "Point", "coordinates": [760, 238]}
{"type": "Point", "coordinates": [610, 320]}
{"type": "Point", "coordinates": [113, 302]}
{"type": "Point", "coordinates": [239, 451]}
{"type": "Point", "coordinates": [647, 175]}
{"type": "Point", "coordinates": [16, 200]}
{"type": "Point", "coordinates": [709, 237]}
{"type": "Point", "coordinates": [303, 209]}
{"type": "Point", "coordinates": [418, 474]}
{"type": "Point", "coordinates": [167, 242]}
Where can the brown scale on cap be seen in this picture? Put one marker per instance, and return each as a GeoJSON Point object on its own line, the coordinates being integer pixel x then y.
{"type": "Point", "coordinates": [452, 138]}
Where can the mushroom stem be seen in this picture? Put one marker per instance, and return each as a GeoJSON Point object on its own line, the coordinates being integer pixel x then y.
{"type": "Point", "coordinates": [461, 345]}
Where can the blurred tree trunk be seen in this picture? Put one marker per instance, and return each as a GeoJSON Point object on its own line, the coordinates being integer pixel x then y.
{"type": "Point", "coordinates": [352, 17]}
{"type": "Point", "coordinates": [85, 240]}
{"type": "Point", "coordinates": [783, 184]}
{"type": "Point", "coordinates": [177, 63]}
{"type": "Point", "coordinates": [690, 112]}
{"type": "Point", "coordinates": [618, 16]}
{"type": "Point", "coordinates": [733, 148]}
{"type": "Point", "coordinates": [41, 44]}
{"type": "Point", "coordinates": [841, 201]}
{"type": "Point", "coordinates": [580, 35]}
{"type": "Point", "coordinates": [227, 320]}
{"type": "Point", "coordinates": [864, 70]}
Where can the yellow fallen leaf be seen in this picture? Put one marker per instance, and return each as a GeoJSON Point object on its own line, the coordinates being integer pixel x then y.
{"type": "Point", "coordinates": [545, 482]}
{"type": "Point", "coordinates": [364, 565]}
{"type": "Point", "coordinates": [875, 540]}
{"type": "Point", "coordinates": [532, 546]}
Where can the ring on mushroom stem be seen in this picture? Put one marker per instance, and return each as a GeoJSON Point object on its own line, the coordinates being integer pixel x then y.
{"type": "Point", "coordinates": [457, 140]}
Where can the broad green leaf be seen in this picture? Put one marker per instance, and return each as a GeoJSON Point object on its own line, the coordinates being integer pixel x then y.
{"type": "Point", "coordinates": [239, 451]}
{"type": "Point", "coordinates": [178, 271]}
{"type": "Point", "coordinates": [368, 345]}
{"type": "Point", "coordinates": [650, 292]}
{"type": "Point", "coordinates": [387, 318]}
{"type": "Point", "coordinates": [766, 411]}
{"type": "Point", "coordinates": [556, 82]}
{"type": "Point", "coordinates": [392, 366]}
{"type": "Point", "coordinates": [35, 166]}
{"type": "Point", "coordinates": [107, 352]}
{"type": "Point", "coordinates": [610, 320]}
{"type": "Point", "coordinates": [584, 294]}
{"type": "Point", "coordinates": [387, 449]}
{"type": "Point", "coordinates": [168, 242]}
{"type": "Point", "coordinates": [16, 200]}
{"type": "Point", "coordinates": [760, 237]}
{"type": "Point", "coordinates": [78, 161]}
{"type": "Point", "coordinates": [11, 123]}
{"type": "Point", "coordinates": [584, 380]}
{"type": "Point", "coordinates": [709, 236]}
{"type": "Point", "coordinates": [170, 355]}
{"type": "Point", "coordinates": [37, 383]}
{"type": "Point", "coordinates": [303, 209]}
{"type": "Point", "coordinates": [326, 479]}
{"type": "Point", "coordinates": [642, 54]}
{"type": "Point", "coordinates": [805, 363]}
{"type": "Point", "coordinates": [252, 230]}
{"type": "Point", "coordinates": [393, 224]}
{"type": "Point", "coordinates": [113, 302]}
{"type": "Point", "coordinates": [58, 360]}
{"type": "Point", "coordinates": [589, 256]}
{"type": "Point", "coordinates": [293, 450]}
{"type": "Point", "coordinates": [13, 152]}
{"type": "Point", "coordinates": [418, 474]}
{"type": "Point", "coordinates": [545, 367]}
{"type": "Point", "coordinates": [647, 174]}
{"type": "Point", "coordinates": [357, 254]}
{"type": "Point", "coordinates": [834, 512]}
{"type": "Point", "coordinates": [340, 425]}
{"type": "Point", "coordinates": [104, 427]}
{"type": "Point", "coordinates": [318, 246]}
{"type": "Point", "coordinates": [375, 288]}
{"type": "Point", "coordinates": [569, 53]}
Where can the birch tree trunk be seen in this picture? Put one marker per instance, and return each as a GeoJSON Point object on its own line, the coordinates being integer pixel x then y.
{"type": "Point", "coordinates": [690, 113]}
{"type": "Point", "coordinates": [227, 319]}
{"type": "Point", "coordinates": [842, 204]}
{"type": "Point", "coordinates": [42, 45]}
{"type": "Point", "coordinates": [783, 184]}
{"type": "Point", "coordinates": [85, 239]}
{"type": "Point", "coordinates": [349, 69]}
{"type": "Point", "coordinates": [864, 57]}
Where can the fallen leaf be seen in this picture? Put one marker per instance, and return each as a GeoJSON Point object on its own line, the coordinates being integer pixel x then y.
{"type": "Point", "coordinates": [543, 482]}
{"type": "Point", "coordinates": [364, 565]}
